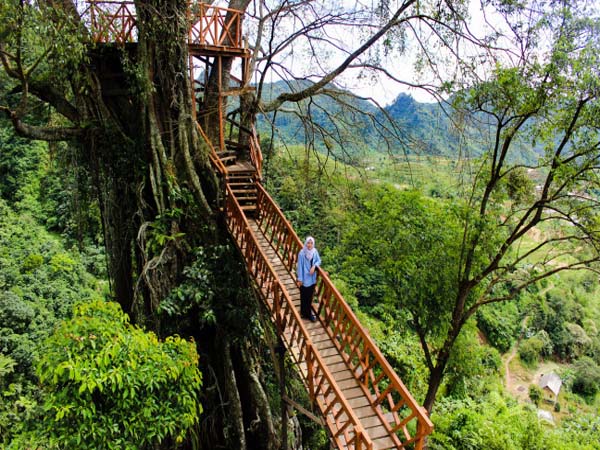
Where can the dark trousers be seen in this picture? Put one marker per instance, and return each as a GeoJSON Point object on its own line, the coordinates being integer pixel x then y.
{"type": "Point", "coordinates": [306, 296]}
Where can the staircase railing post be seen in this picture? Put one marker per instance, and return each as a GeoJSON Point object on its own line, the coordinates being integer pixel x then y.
{"type": "Point", "coordinates": [277, 307]}
{"type": "Point", "coordinates": [280, 349]}
{"type": "Point", "coordinates": [310, 369]}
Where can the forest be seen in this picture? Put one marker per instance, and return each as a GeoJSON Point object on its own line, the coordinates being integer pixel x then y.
{"type": "Point", "coordinates": [463, 233]}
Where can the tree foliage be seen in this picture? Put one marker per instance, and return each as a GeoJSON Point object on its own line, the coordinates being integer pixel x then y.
{"type": "Point", "coordinates": [40, 281]}
{"type": "Point", "coordinates": [410, 243]}
{"type": "Point", "coordinates": [109, 384]}
{"type": "Point", "coordinates": [495, 422]}
{"type": "Point", "coordinates": [587, 377]}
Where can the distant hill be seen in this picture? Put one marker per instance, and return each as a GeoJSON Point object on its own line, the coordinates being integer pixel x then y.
{"type": "Point", "coordinates": [405, 126]}
{"type": "Point", "coordinates": [335, 116]}
{"type": "Point", "coordinates": [427, 126]}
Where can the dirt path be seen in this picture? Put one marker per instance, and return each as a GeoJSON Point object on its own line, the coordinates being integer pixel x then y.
{"type": "Point", "coordinates": [518, 381]}
{"type": "Point", "coordinates": [507, 377]}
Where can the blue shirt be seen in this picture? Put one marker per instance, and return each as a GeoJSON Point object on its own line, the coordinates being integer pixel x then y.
{"type": "Point", "coordinates": [303, 268]}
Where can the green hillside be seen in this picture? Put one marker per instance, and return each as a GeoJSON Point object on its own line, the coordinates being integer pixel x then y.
{"type": "Point", "coordinates": [350, 127]}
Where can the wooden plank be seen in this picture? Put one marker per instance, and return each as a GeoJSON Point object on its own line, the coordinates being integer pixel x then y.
{"type": "Point", "coordinates": [359, 402]}
{"type": "Point", "coordinates": [329, 352]}
{"type": "Point", "coordinates": [332, 359]}
{"type": "Point", "coordinates": [343, 375]}
{"type": "Point", "coordinates": [325, 344]}
{"type": "Point", "coordinates": [321, 332]}
{"type": "Point", "coordinates": [337, 367]}
{"type": "Point", "coordinates": [348, 384]}
{"type": "Point", "coordinates": [351, 392]}
{"type": "Point", "coordinates": [365, 411]}
{"type": "Point", "coordinates": [383, 443]}
{"type": "Point", "coordinates": [376, 432]}
{"type": "Point", "coordinates": [371, 422]}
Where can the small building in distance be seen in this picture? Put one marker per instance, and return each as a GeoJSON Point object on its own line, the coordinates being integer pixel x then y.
{"type": "Point", "coordinates": [550, 384]}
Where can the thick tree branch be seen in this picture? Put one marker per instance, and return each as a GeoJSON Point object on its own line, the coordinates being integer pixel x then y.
{"type": "Point", "coordinates": [41, 133]}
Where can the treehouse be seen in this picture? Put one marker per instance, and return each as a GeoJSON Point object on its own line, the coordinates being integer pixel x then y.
{"type": "Point", "coordinates": [361, 400]}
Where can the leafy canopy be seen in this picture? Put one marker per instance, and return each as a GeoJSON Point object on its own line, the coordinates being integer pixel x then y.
{"type": "Point", "coordinates": [409, 243]}
{"type": "Point", "coordinates": [111, 385]}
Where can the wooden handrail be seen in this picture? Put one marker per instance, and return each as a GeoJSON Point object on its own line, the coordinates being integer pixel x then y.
{"type": "Point", "coordinates": [111, 21]}
{"type": "Point", "coordinates": [209, 26]}
{"type": "Point", "coordinates": [376, 376]}
{"type": "Point", "coordinates": [256, 156]}
{"type": "Point", "coordinates": [212, 154]}
{"type": "Point", "coordinates": [323, 389]}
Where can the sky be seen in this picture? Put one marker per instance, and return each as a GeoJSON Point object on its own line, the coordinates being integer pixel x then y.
{"type": "Point", "coordinates": [363, 83]}
{"type": "Point", "coordinates": [385, 91]}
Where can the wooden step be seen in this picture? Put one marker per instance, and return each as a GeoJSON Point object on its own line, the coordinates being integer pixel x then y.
{"type": "Point", "coordinates": [240, 176]}
{"type": "Point", "coordinates": [228, 159]}
{"type": "Point", "coordinates": [242, 173]}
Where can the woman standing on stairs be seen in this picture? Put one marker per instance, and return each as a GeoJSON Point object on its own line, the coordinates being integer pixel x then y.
{"type": "Point", "coordinates": [308, 261]}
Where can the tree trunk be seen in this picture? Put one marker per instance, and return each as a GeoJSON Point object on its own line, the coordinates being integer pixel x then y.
{"type": "Point", "coordinates": [433, 384]}
{"type": "Point", "coordinates": [436, 374]}
{"type": "Point", "coordinates": [236, 437]}
{"type": "Point", "coordinates": [258, 418]}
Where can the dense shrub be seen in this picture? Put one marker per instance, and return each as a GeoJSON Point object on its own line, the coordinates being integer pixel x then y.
{"type": "Point", "coordinates": [535, 394]}
{"type": "Point", "coordinates": [497, 423]}
{"type": "Point", "coordinates": [587, 377]}
{"type": "Point", "coordinates": [500, 324]}
{"type": "Point", "coordinates": [111, 385]}
{"type": "Point", "coordinates": [39, 283]}
{"type": "Point", "coordinates": [530, 350]}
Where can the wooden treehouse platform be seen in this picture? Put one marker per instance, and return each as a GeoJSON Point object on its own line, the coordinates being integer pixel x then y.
{"type": "Point", "coordinates": [362, 401]}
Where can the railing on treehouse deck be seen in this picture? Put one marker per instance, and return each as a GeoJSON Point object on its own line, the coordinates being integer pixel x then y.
{"type": "Point", "coordinates": [111, 21]}
{"type": "Point", "coordinates": [214, 26]}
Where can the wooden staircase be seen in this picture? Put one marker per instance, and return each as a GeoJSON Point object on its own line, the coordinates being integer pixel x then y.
{"type": "Point", "coordinates": [364, 403]}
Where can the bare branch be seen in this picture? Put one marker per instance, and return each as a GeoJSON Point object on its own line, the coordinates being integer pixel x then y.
{"type": "Point", "coordinates": [314, 88]}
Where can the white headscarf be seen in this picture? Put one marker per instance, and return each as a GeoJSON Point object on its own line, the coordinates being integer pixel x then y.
{"type": "Point", "coordinates": [309, 253]}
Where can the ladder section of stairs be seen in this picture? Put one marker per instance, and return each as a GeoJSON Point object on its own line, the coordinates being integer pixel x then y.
{"type": "Point", "coordinates": [241, 178]}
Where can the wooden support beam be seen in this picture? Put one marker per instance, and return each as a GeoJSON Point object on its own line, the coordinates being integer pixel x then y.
{"type": "Point", "coordinates": [280, 349]}
{"type": "Point", "coordinates": [304, 411]}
